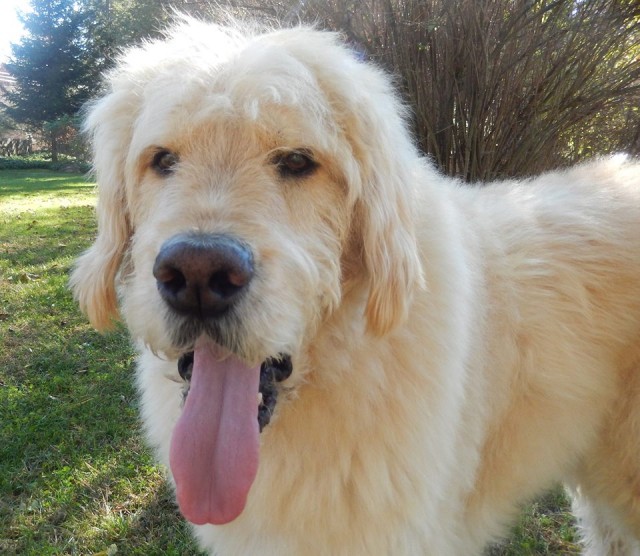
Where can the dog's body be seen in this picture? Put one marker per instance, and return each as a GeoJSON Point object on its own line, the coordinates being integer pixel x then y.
{"type": "Point", "coordinates": [455, 350]}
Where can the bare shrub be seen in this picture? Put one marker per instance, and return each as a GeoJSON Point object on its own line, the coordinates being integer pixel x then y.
{"type": "Point", "coordinates": [505, 87]}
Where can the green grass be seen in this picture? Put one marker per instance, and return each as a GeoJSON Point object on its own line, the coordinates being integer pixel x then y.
{"type": "Point", "coordinates": [75, 477]}
{"type": "Point", "coordinates": [545, 527]}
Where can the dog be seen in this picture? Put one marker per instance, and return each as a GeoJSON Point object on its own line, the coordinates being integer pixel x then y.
{"type": "Point", "coordinates": [342, 351]}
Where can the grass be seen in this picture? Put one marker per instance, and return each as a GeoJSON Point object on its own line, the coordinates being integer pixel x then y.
{"type": "Point", "coordinates": [545, 527]}
{"type": "Point", "coordinates": [75, 477]}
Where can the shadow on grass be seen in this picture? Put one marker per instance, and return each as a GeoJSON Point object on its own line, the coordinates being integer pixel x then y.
{"type": "Point", "coordinates": [37, 182]}
{"type": "Point", "coordinates": [40, 237]}
{"type": "Point", "coordinates": [96, 510]}
{"type": "Point", "coordinates": [74, 476]}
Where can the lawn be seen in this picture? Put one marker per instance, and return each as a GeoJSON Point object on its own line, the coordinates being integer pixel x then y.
{"type": "Point", "coordinates": [75, 477]}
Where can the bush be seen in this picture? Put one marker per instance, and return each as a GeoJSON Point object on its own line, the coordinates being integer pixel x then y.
{"type": "Point", "coordinates": [42, 161]}
{"type": "Point", "coordinates": [505, 88]}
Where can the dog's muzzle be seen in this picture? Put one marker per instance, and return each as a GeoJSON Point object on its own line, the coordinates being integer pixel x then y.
{"type": "Point", "coordinates": [200, 277]}
{"type": "Point", "coordinates": [203, 275]}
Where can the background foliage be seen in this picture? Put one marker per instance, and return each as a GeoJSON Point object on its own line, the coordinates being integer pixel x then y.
{"type": "Point", "coordinates": [507, 87]}
{"type": "Point", "coordinates": [497, 87]}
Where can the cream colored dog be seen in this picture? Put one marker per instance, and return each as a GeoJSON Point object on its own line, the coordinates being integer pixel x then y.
{"type": "Point", "coordinates": [455, 350]}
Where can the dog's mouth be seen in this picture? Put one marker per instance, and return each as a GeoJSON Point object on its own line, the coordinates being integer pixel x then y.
{"type": "Point", "coordinates": [214, 446]}
{"type": "Point", "coordinates": [272, 371]}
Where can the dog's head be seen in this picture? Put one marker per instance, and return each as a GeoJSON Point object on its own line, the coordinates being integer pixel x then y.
{"type": "Point", "coordinates": [250, 185]}
{"type": "Point", "coordinates": [287, 149]}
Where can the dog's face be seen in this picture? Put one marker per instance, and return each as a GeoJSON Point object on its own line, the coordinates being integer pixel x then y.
{"type": "Point", "coordinates": [267, 154]}
{"type": "Point", "coordinates": [251, 194]}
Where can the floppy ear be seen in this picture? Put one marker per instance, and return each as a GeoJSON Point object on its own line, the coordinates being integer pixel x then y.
{"type": "Point", "coordinates": [380, 171]}
{"type": "Point", "coordinates": [388, 166]}
{"type": "Point", "coordinates": [93, 279]}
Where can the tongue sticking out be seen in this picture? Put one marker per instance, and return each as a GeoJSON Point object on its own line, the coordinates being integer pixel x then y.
{"type": "Point", "coordinates": [214, 448]}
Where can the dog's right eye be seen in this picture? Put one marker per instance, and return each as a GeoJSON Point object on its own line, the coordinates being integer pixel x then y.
{"type": "Point", "coordinates": [164, 162]}
{"type": "Point", "coordinates": [296, 164]}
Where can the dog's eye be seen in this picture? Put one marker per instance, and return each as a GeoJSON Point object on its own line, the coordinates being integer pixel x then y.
{"type": "Point", "coordinates": [295, 164]}
{"type": "Point", "coordinates": [164, 162]}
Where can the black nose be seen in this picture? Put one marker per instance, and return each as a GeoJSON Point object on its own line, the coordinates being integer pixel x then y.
{"type": "Point", "coordinates": [202, 275]}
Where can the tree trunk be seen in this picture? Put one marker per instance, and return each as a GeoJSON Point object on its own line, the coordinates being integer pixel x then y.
{"type": "Point", "coordinates": [54, 146]}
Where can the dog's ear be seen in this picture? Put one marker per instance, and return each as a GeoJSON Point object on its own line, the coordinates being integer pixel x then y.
{"type": "Point", "coordinates": [93, 279]}
{"type": "Point", "coordinates": [380, 165]}
{"type": "Point", "coordinates": [384, 220]}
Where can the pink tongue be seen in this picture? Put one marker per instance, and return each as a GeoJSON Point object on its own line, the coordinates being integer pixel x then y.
{"type": "Point", "coordinates": [214, 448]}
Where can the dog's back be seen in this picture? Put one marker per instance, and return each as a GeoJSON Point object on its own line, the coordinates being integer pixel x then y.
{"type": "Point", "coordinates": [560, 257]}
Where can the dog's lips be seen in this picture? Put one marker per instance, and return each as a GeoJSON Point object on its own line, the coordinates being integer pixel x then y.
{"type": "Point", "coordinates": [214, 447]}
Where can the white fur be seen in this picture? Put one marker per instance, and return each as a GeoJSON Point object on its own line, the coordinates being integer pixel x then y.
{"type": "Point", "coordinates": [456, 349]}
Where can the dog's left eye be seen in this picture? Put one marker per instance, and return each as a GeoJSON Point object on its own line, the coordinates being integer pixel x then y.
{"type": "Point", "coordinates": [164, 162]}
{"type": "Point", "coordinates": [295, 164]}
